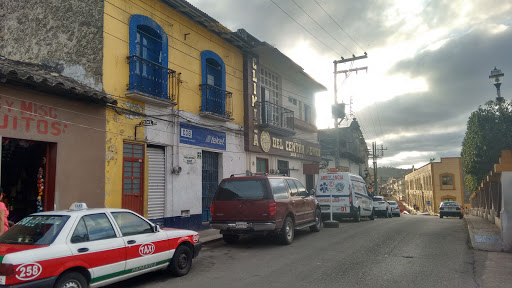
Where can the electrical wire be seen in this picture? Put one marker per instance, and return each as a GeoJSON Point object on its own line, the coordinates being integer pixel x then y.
{"type": "Point", "coordinates": [322, 27]}
{"type": "Point", "coordinates": [339, 26]}
{"type": "Point", "coordinates": [305, 29]}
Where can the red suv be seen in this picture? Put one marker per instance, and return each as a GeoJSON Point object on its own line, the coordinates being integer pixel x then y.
{"type": "Point", "coordinates": [263, 205]}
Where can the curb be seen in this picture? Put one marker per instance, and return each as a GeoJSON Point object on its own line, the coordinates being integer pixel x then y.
{"type": "Point", "coordinates": [469, 225]}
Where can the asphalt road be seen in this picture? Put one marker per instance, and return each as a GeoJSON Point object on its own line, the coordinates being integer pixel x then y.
{"type": "Point", "coordinates": [409, 251]}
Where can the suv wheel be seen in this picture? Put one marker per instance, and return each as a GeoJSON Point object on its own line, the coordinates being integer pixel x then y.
{"type": "Point", "coordinates": [230, 238]}
{"type": "Point", "coordinates": [440, 216]}
{"type": "Point", "coordinates": [357, 217]}
{"type": "Point", "coordinates": [318, 222]}
{"type": "Point", "coordinates": [288, 232]}
{"type": "Point", "coordinates": [372, 216]}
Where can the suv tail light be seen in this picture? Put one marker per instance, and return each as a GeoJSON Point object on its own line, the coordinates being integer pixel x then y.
{"type": "Point", "coordinates": [382, 202]}
{"type": "Point", "coordinates": [211, 209]}
{"type": "Point", "coordinates": [6, 269]}
{"type": "Point", "coordinates": [272, 208]}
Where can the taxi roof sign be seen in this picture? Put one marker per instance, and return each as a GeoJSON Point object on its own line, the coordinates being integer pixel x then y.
{"type": "Point", "coordinates": [78, 206]}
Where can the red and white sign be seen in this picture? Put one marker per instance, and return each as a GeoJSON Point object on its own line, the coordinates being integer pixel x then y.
{"type": "Point", "coordinates": [28, 271]}
{"type": "Point", "coordinates": [146, 249]}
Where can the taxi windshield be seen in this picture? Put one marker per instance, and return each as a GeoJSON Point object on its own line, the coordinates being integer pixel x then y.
{"type": "Point", "coordinates": [35, 230]}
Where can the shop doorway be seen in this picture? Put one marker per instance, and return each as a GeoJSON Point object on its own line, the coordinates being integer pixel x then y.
{"type": "Point", "coordinates": [210, 180]}
{"type": "Point", "coordinates": [28, 176]}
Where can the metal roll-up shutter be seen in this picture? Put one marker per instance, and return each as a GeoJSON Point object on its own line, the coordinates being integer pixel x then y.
{"type": "Point", "coordinates": [156, 182]}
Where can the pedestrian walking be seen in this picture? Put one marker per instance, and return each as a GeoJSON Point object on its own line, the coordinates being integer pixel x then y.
{"type": "Point", "coordinates": [4, 213]}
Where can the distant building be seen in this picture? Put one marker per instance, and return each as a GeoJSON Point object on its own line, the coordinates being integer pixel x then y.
{"type": "Point", "coordinates": [434, 183]}
{"type": "Point", "coordinates": [352, 149]}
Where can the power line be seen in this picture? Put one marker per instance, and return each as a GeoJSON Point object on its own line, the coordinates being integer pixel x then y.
{"type": "Point", "coordinates": [305, 28]}
{"type": "Point", "coordinates": [339, 26]}
{"type": "Point", "coordinates": [322, 27]}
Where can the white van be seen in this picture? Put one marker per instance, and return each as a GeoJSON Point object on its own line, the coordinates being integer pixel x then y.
{"type": "Point", "coordinates": [350, 197]}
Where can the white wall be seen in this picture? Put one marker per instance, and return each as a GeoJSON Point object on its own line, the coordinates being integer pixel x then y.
{"type": "Point", "coordinates": [184, 190]}
{"type": "Point", "coordinates": [506, 212]}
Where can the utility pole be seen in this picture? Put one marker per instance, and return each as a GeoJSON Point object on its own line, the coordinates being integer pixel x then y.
{"type": "Point", "coordinates": [338, 110]}
{"type": "Point", "coordinates": [376, 153]}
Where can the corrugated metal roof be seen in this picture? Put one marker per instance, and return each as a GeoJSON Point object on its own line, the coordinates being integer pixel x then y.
{"type": "Point", "coordinates": [44, 78]}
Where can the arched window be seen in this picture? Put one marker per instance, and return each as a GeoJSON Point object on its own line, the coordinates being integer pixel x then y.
{"type": "Point", "coordinates": [213, 84]}
{"type": "Point", "coordinates": [148, 57]}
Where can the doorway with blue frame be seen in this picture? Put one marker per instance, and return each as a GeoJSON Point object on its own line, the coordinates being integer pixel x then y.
{"type": "Point", "coordinates": [210, 180]}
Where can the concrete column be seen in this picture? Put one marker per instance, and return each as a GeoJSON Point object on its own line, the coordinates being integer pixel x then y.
{"type": "Point", "coordinates": [506, 212]}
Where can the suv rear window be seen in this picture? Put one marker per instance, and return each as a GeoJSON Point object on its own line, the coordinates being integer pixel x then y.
{"type": "Point", "coordinates": [392, 203]}
{"type": "Point", "coordinates": [378, 199]}
{"type": "Point", "coordinates": [241, 190]}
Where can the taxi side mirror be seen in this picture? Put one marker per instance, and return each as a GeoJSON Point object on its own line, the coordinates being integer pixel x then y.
{"type": "Point", "coordinates": [156, 228]}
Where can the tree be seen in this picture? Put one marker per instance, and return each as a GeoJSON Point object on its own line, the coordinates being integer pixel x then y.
{"type": "Point", "coordinates": [488, 132]}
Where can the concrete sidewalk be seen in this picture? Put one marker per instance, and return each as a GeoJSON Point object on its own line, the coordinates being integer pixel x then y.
{"type": "Point", "coordinates": [484, 235]}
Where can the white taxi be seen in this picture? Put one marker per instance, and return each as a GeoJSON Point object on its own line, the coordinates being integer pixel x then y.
{"type": "Point", "coordinates": [83, 247]}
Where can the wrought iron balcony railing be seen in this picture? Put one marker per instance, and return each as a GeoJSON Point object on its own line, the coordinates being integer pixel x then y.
{"type": "Point", "coordinates": [217, 101]}
{"type": "Point", "coordinates": [152, 79]}
{"type": "Point", "coordinates": [273, 115]}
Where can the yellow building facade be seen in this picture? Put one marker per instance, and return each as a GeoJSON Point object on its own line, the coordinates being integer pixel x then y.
{"type": "Point", "coordinates": [434, 183]}
{"type": "Point", "coordinates": [175, 81]}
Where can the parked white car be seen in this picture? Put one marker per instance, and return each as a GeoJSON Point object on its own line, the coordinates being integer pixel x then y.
{"type": "Point", "coordinates": [83, 247]}
{"type": "Point", "coordinates": [381, 207]}
{"type": "Point", "coordinates": [395, 208]}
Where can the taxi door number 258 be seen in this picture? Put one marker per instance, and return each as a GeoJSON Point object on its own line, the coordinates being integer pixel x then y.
{"type": "Point", "coordinates": [28, 271]}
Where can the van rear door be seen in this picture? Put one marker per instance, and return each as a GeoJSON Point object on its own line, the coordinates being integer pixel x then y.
{"type": "Point", "coordinates": [241, 200]}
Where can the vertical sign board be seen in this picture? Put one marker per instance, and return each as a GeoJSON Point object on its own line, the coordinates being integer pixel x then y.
{"type": "Point", "coordinates": [200, 136]}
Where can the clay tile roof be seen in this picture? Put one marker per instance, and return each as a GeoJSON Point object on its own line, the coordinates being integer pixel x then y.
{"type": "Point", "coordinates": [44, 78]}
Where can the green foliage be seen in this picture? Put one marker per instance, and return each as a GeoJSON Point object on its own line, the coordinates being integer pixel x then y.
{"type": "Point", "coordinates": [488, 132]}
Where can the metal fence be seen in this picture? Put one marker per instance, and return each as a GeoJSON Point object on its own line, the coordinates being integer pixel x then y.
{"type": "Point", "coordinates": [216, 100]}
{"type": "Point", "coordinates": [152, 79]}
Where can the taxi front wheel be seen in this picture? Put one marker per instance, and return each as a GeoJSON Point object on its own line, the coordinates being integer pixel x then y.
{"type": "Point", "coordinates": [71, 280]}
{"type": "Point", "coordinates": [181, 261]}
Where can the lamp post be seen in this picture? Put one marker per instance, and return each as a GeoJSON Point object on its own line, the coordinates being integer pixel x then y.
{"type": "Point", "coordinates": [496, 78]}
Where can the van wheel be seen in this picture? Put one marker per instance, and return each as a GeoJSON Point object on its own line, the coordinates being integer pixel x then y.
{"type": "Point", "coordinates": [318, 222]}
{"type": "Point", "coordinates": [71, 280]}
{"type": "Point", "coordinates": [181, 261]}
{"type": "Point", "coordinates": [288, 232]}
{"type": "Point", "coordinates": [230, 238]}
{"type": "Point", "coordinates": [357, 217]}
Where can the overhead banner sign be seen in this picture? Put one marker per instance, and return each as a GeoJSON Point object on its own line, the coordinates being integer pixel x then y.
{"type": "Point", "coordinates": [204, 137]}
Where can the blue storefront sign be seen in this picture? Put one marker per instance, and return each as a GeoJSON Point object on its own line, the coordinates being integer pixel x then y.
{"type": "Point", "coordinates": [204, 137]}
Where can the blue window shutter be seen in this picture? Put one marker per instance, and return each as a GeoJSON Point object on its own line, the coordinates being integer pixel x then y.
{"type": "Point", "coordinates": [149, 41]}
{"type": "Point", "coordinates": [213, 72]}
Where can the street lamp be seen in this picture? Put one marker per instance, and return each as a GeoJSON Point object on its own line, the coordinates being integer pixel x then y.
{"type": "Point", "coordinates": [496, 78]}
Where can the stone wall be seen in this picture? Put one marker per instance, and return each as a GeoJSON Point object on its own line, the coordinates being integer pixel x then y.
{"type": "Point", "coordinates": [66, 35]}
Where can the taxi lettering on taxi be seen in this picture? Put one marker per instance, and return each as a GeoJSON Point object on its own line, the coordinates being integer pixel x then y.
{"type": "Point", "coordinates": [83, 247]}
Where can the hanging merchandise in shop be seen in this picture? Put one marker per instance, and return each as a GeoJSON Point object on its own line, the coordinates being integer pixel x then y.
{"type": "Point", "coordinates": [40, 186]}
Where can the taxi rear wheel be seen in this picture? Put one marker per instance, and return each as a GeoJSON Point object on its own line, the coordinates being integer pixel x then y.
{"type": "Point", "coordinates": [181, 261]}
{"type": "Point", "coordinates": [71, 280]}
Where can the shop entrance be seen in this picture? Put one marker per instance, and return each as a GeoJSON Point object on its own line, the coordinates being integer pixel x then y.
{"type": "Point", "coordinates": [28, 176]}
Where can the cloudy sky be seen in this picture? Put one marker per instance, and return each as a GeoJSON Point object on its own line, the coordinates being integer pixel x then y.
{"type": "Point", "coordinates": [428, 66]}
